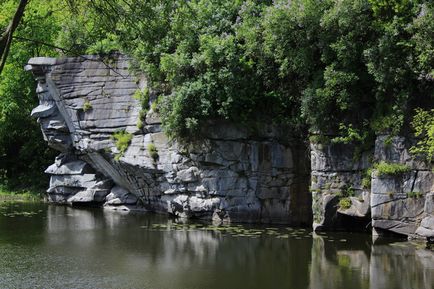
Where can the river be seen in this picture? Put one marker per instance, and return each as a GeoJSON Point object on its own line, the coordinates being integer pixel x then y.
{"type": "Point", "coordinates": [45, 246]}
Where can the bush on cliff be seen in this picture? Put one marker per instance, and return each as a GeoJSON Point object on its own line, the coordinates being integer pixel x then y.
{"type": "Point", "coordinates": [346, 66]}
{"type": "Point", "coordinates": [423, 124]}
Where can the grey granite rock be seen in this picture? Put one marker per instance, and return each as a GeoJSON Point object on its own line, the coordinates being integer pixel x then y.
{"type": "Point", "coordinates": [89, 196]}
{"type": "Point", "coordinates": [337, 177]}
{"type": "Point", "coordinates": [71, 168]}
{"type": "Point", "coordinates": [230, 173]}
{"type": "Point", "coordinates": [119, 196]}
{"type": "Point", "coordinates": [401, 202]}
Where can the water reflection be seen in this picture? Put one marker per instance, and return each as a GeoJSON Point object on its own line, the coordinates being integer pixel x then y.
{"type": "Point", "coordinates": [339, 262]}
{"type": "Point", "coordinates": [401, 266]}
{"type": "Point", "coordinates": [104, 249]}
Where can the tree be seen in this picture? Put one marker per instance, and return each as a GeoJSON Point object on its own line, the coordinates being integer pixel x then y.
{"type": "Point", "coordinates": [23, 153]}
{"type": "Point", "coordinates": [6, 37]}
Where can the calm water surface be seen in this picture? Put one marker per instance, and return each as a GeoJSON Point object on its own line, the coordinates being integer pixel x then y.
{"type": "Point", "coordinates": [45, 246]}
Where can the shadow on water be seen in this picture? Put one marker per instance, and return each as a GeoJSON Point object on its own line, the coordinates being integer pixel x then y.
{"type": "Point", "coordinates": [62, 247]}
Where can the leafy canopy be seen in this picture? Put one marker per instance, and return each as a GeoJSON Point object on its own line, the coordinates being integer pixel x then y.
{"type": "Point", "coordinates": [341, 66]}
{"type": "Point", "coordinates": [349, 67]}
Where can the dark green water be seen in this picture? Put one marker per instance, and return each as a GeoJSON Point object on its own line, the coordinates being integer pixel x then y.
{"type": "Point", "coordinates": [45, 246]}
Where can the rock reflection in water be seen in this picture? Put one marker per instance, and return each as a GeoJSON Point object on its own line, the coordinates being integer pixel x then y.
{"type": "Point", "coordinates": [401, 266]}
{"type": "Point", "coordinates": [192, 258]}
{"type": "Point", "coordinates": [339, 263]}
{"type": "Point", "coordinates": [77, 248]}
{"type": "Point", "coordinates": [361, 264]}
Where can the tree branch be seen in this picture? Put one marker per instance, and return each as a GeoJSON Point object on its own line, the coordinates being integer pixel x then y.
{"type": "Point", "coordinates": [43, 43]}
{"type": "Point", "coordinates": [6, 38]}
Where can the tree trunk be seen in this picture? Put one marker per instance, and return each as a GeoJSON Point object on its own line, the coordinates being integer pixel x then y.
{"type": "Point", "coordinates": [6, 38]}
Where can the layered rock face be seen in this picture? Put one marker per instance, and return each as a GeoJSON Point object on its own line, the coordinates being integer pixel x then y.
{"type": "Point", "coordinates": [230, 175]}
{"type": "Point", "coordinates": [340, 197]}
{"type": "Point", "coordinates": [402, 203]}
{"type": "Point", "coordinates": [348, 192]}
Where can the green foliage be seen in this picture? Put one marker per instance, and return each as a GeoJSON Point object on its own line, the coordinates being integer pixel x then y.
{"type": "Point", "coordinates": [414, 195]}
{"type": "Point", "coordinates": [153, 152]}
{"type": "Point", "coordinates": [155, 105]}
{"type": "Point", "coordinates": [347, 66]}
{"type": "Point", "coordinates": [319, 139]}
{"type": "Point", "coordinates": [87, 105]}
{"type": "Point", "coordinates": [345, 203]}
{"type": "Point", "coordinates": [122, 142]}
{"type": "Point", "coordinates": [143, 97]}
{"type": "Point", "coordinates": [140, 123]}
{"type": "Point", "coordinates": [366, 179]}
{"type": "Point", "coordinates": [206, 61]}
{"type": "Point", "coordinates": [330, 64]}
{"type": "Point", "coordinates": [344, 197]}
{"type": "Point", "coordinates": [423, 125]}
{"type": "Point", "coordinates": [350, 135]}
{"type": "Point", "coordinates": [392, 169]}
{"type": "Point", "coordinates": [350, 67]}
{"type": "Point", "coordinates": [19, 195]}
{"type": "Point", "coordinates": [23, 153]}
{"type": "Point", "coordinates": [346, 191]}
{"type": "Point", "coordinates": [83, 30]}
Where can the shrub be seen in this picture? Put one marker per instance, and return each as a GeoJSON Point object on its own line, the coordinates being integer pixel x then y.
{"type": "Point", "coordinates": [345, 203]}
{"type": "Point", "coordinates": [344, 197]}
{"type": "Point", "coordinates": [383, 169]}
{"type": "Point", "coordinates": [143, 97]}
{"type": "Point", "coordinates": [87, 105]}
{"type": "Point", "coordinates": [153, 152]}
{"type": "Point", "coordinates": [347, 191]}
{"type": "Point", "coordinates": [414, 195]}
{"type": "Point", "coordinates": [140, 123]}
{"type": "Point", "coordinates": [423, 125]}
{"type": "Point", "coordinates": [155, 105]}
{"type": "Point", "coordinates": [319, 139]}
{"type": "Point", "coordinates": [122, 141]}
{"type": "Point", "coordinates": [366, 180]}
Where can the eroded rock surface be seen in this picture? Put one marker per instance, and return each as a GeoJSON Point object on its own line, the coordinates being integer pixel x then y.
{"type": "Point", "coordinates": [230, 175]}
{"type": "Point", "coordinates": [402, 203]}
{"type": "Point", "coordinates": [348, 191]}
{"type": "Point", "coordinates": [341, 200]}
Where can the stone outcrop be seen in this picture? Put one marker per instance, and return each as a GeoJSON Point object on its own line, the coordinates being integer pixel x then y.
{"type": "Point", "coordinates": [402, 203]}
{"type": "Point", "coordinates": [348, 192]}
{"type": "Point", "coordinates": [340, 197]}
{"type": "Point", "coordinates": [231, 174]}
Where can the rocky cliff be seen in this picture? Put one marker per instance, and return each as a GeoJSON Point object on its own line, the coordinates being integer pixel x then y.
{"type": "Point", "coordinates": [231, 174]}
{"type": "Point", "coordinates": [349, 190]}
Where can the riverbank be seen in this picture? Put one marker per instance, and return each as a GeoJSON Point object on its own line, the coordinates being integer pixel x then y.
{"type": "Point", "coordinates": [20, 195]}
